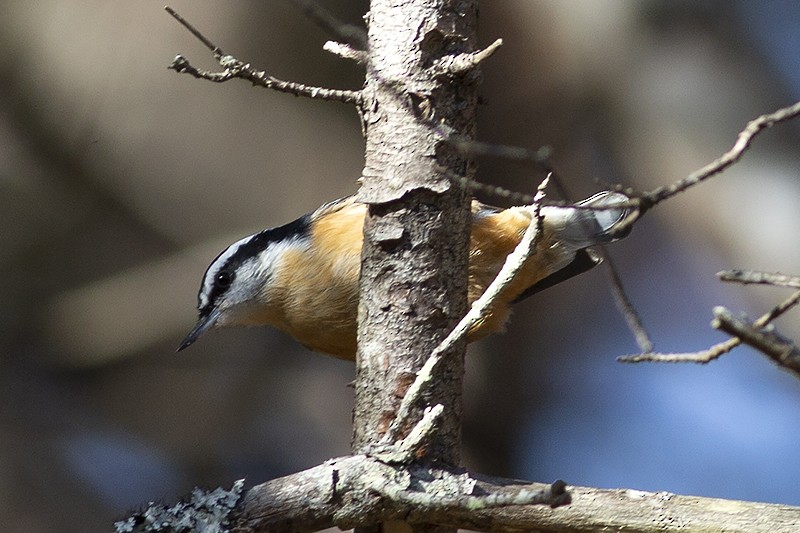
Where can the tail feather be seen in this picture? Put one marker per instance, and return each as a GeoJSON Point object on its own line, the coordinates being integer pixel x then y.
{"type": "Point", "coordinates": [581, 228]}
{"type": "Point", "coordinates": [576, 229]}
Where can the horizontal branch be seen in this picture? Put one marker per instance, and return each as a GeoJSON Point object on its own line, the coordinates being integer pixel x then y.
{"type": "Point", "coordinates": [762, 278]}
{"type": "Point", "coordinates": [359, 490]}
{"type": "Point", "coordinates": [716, 351]}
{"type": "Point", "coordinates": [701, 357]}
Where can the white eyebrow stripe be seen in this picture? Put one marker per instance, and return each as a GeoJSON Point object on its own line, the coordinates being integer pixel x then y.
{"type": "Point", "coordinates": [213, 270]}
{"type": "Point", "coordinates": [264, 261]}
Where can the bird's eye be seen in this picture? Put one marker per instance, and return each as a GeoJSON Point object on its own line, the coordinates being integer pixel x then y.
{"type": "Point", "coordinates": [224, 279]}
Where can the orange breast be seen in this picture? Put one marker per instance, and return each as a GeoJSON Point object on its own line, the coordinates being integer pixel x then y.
{"type": "Point", "coordinates": [316, 298]}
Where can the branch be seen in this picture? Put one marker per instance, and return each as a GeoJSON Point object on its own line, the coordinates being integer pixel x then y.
{"type": "Point", "coordinates": [235, 68]}
{"type": "Point", "coordinates": [624, 304]}
{"type": "Point", "coordinates": [346, 51]}
{"type": "Point", "coordinates": [455, 65]}
{"type": "Point", "coordinates": [621, 298]}
{"type": "Point", "coordinates": [706, 356]}
{"type": "Point", "coordinates": [353, 36]}
{"type": "Point", "coordinates": [313, 499]}
{"type": "Point", "coordinates": [348, 491]}
{"type": "Point", "coordinates": [763, 278]}
{"type": "Point", "coordinates": [700, 357]}
{"type": "Point", "coordinates": [767, 341]}
{"type": "Point", "coordinates": [745, 138]}
{"type": "Point", "coordinates": [643, 202]}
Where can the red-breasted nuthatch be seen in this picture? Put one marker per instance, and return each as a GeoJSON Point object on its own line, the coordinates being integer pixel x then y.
{"type": "Point", "coordinates": [302, 278]}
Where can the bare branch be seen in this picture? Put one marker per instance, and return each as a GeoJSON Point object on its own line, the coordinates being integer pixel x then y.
{"type": "Point", "coordinates": [781, 350]}
{"type": "Point", "coordinates": [235, 68]}
{"type": "Point", "coordinates": [624, 304]}
{"type": "Point", "coordinates": [764, 278]}
{"type": "Point", "coordinates": [641, 202]}
{"type": "Point", "coordinates": [354, 490]}
{"type": "Point", "coordinates": [508, 272]}
{"type": "Point", "coordinates": [706, 356]}
{"type": "Point", "coordinates": [194, 31]}
{"type": "Point", "coordinates": [701, 357]}
{"type": "Point", "coordinates": [350, 34]}
{"type": "Point", "coordinates": [455, 65]}
{"type": "Point", "coordinates": [745, 138]}
{"type": "Point", "coordinates": [346, 51]}
{"type": "Point", "coordinates": [518, 198]}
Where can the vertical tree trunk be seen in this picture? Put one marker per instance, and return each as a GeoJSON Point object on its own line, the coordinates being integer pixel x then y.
{"type": "Point", "coordinates": [416, 234]}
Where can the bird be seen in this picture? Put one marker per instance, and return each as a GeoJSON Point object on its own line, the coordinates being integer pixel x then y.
{"type": "Point", "coordinates": [302, 277]}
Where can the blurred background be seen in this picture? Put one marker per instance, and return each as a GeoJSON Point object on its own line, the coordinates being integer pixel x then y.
{"type": "Point", "coordinates": [121, 180]}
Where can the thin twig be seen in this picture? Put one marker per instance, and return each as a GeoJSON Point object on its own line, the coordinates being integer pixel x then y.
{"type": "Point", "coordinates": [745, 138]}
{"type": "Point", "coordinates": [780, 350]}
{"type": "Point", "coordinates": [515, 197]}
{"type": "Point", "coordinates": [508, 272]}
{"type": "Point", "coordinates": [621, 298]}
{"type": "Point", "coordinates": [700, 357]}
{"type": "Point", "coordinates": [194, 31]}
{"type": "Point", "coordinates": [763, 278]}
{"type": "Point", "coordinates": [624, 304]}
{"type": "Point", "coordinates": [643, 202]}
{"type": "Point", "coordinates": [458, 64]}
{"type": "Point", "coordinates": [235, 68]}
{"type": "Point", "coordinates": [706, 356]}
{"type": "Point", "coordinates": [345, 51]}
{"type": "Point", "coordinates": [351, 34]}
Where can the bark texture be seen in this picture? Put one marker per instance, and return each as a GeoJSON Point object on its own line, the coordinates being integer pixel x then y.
{"type": "Point", "coordinates": [416, 234]}
{"type": "Point", "coordinates": [331, 494]}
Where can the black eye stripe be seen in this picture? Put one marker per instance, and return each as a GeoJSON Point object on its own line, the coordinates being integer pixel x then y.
{"type": "Point", "coordinates": [252, 247]}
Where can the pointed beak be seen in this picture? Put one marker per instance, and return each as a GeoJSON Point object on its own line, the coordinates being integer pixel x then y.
{"type": "Point", "coordinates": [204, 324]}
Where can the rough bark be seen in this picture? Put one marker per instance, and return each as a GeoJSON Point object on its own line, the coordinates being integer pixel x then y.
{"type": "Point", "coordinates": [324, 496]}
{"type": "Point", "coordinates": [413, 281]}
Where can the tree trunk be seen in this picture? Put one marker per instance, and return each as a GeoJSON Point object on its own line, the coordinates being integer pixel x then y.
{"type": "Point", "coordinates": [416, 234]}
